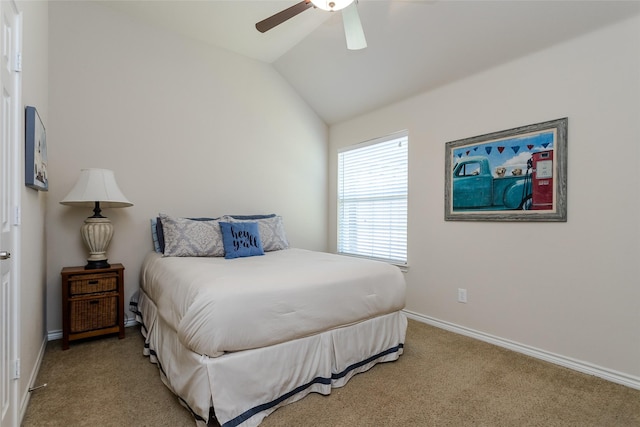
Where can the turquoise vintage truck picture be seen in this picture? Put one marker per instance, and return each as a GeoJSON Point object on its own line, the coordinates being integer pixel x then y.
{"type": "Point", "coordinates": [510, 174]}
{"type": "Point", "coordinates": [517, 174]}
{"type": "Point", "coordinates": [475, 187]}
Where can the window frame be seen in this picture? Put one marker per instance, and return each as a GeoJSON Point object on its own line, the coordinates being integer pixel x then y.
{"type": "Point", "coordinates": [403, 138]}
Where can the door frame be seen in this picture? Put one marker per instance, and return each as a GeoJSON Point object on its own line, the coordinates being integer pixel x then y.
{"type": "Point", "coordinates": [16, 162]}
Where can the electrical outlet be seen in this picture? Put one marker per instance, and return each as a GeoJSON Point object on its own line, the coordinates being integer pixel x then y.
{"type": "Point", "coordinates": [462, 295]}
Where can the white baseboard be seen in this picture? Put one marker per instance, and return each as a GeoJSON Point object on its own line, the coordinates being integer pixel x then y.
{"type": "Point", "coordinates": [567, 362]}
{"type": "Point", "coordinates": [26, 396]}
{"type": "Point", "coordinates": [54, 335]}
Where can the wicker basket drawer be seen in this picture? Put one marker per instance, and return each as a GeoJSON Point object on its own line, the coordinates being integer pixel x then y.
{"type": "Point", "coordinates": [92, 283]}
{"type": "Point", "coordinates": [93, 313]}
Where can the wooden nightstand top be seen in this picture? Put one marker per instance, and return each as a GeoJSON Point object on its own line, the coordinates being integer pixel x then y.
{"type": "Point", "coordinates": [76, 270]}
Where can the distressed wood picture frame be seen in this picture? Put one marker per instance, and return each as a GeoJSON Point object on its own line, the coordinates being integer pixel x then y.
{"type": "Point", "coordinates": [517, 174]}
{"type": "Point", "coordinates": [35, 156]}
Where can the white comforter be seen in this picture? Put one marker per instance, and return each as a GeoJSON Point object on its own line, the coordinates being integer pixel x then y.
{"type": "Point", "coordinates": [218, 305]}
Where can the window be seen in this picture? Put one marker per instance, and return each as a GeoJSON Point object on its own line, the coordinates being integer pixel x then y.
{"type": "Point", "coordinates": [372, 199]}
{"type": "Point", "coordinates": [469, 169]}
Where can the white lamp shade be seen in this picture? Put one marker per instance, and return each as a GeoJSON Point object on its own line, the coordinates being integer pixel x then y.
{"type": "Point", "coordinates": [96, 185]}
{"type": "Point", "coordinates": [331, 5]}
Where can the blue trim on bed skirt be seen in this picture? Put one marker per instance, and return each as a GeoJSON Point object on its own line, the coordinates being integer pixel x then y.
{"type": "Point", "coordinates": [253, 411]}
{"type": "Point", "coordinates": [139, 314]}
{"type": "Point", "coordinates": [364, 362]}
{"type": "Point", "coordinates": [153, 353]}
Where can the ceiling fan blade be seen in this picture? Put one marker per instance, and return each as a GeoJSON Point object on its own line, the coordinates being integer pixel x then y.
{"type": "Point", "coordinates": [353, 28]}
{"type": "Point", "coordinates": [280, 17]}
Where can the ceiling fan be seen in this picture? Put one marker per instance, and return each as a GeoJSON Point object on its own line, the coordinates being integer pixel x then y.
{"type": "Point", "coordinates": [350, 18]}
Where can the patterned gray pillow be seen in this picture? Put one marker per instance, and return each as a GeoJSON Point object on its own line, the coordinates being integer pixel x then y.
{"type": "Point", "coordinates": [271, 231]}
{"type": "Point", "coordinates": [188, 237]}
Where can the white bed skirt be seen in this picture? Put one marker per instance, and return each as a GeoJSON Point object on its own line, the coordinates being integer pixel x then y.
{"type": "Point", "coordinates": [244, 387]}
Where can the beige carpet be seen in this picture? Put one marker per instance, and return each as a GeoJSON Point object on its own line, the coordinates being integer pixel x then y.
{"type": "Point", "coordinates": [443, 379]}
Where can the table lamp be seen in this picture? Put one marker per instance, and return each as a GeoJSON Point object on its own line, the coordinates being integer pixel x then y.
{"type": "Point", "coordinates": [96, 188]}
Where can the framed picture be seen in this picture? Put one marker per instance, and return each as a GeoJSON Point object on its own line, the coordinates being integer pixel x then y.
{"type": "Point", "coordinates": [512, 175]}
{"type": "Point", "coordinates": [35, 167]}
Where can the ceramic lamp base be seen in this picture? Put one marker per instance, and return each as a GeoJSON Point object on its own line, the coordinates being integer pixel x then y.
{"type": "Point", "coordinates": [96, 233]}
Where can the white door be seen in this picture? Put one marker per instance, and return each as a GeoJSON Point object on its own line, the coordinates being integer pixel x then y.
{"type": "Point", "coordinates": [10, 134]}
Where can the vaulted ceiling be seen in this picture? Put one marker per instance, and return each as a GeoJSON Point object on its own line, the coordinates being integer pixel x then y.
{"type": "Point", "coordinates": [413, 45]}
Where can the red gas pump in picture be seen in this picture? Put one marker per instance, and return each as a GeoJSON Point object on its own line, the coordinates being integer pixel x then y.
{"type": "Point", "coordinates": [542, 180]}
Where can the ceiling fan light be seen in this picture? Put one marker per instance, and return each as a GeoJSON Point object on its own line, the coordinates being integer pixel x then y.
{"type": "Point", "coordinates": [331, 5]}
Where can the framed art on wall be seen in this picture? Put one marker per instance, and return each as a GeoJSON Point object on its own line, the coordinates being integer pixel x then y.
{"type": "Point", "coordinates": [35, 167]}
{"type": "Point", "coordinates": [516, 174]}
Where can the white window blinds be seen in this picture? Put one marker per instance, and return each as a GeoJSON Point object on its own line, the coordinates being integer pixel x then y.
{"type": "Point", "coordinates": [372, 199]}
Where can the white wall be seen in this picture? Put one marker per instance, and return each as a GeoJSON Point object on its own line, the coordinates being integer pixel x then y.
{"type": "Point", "coordinates": [32, 285]}
{"type": "Point", "coordinates": [571, 288]}
{"type": "Point", "coordinates": [189, 130]}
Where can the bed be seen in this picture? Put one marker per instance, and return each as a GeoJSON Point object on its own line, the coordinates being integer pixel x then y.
{"type": "Point", "coordinates": [237, 338]}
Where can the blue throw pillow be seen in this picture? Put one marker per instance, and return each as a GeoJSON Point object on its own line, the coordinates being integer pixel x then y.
{"type": "Point", "coordinates": [241, 239]}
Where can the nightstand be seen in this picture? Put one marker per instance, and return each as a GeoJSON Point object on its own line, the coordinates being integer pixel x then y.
{"type": "Point", "coordinates": [92, 302]}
